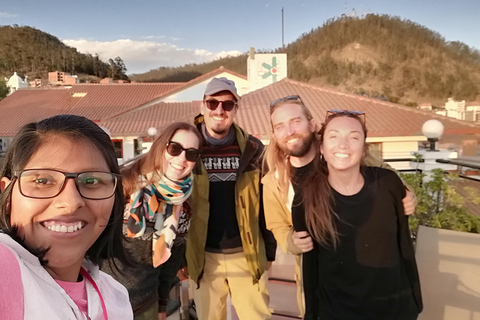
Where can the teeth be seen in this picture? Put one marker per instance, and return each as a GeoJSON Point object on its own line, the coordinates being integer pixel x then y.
{"type": "Point", "coordinates": [341, 155]}
{"type": "Point", "coordinates": [217, 118]}
{"type": "Point", "coordinates": [292, 140]}
{"type": "Point", "coordinates": [64, 229]}
{"type": "Point", "coordinates": [176, 166]}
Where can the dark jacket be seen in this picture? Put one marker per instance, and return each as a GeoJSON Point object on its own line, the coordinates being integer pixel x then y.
{"type": "Point", "coordinates": [258, 243]}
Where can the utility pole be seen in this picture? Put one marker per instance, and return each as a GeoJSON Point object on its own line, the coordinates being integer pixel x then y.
{"type": "Point", "coordinates": [283, 32]}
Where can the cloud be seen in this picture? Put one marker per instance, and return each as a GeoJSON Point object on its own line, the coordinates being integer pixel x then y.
{"type": "Point", "coordinates": [7, 15]}
{"type": "Point", "coordinates": [142, 56]}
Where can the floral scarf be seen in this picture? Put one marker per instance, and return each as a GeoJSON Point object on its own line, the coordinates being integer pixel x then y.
{"type": "Point", "coordinates": [159, 202]}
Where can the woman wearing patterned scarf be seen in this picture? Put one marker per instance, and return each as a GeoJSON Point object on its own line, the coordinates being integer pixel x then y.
{"type": "Point", "coordinates": [157, 184]}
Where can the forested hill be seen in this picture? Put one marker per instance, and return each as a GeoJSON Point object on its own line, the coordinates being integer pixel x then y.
{"type": "Point", "coordinates": [377, 55]}
{"type": "Point", "coordinates": [32, 52]}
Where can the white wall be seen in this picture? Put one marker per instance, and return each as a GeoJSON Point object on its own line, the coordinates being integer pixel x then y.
{"type": "Point", "coordinates": [398, 147]}
{"type": "Point", "coordinates": [195, 93]}
{"type": "Point", "coordinates": [261, 72]}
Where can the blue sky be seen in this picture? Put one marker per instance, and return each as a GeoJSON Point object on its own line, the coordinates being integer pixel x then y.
{"type": "Point", "coordinates": [148, 34]}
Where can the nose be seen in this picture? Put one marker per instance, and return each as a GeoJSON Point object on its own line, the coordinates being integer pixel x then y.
{"type": "Point", "coordinates": [290, 130]}
{"type": "Point", "coordinates": [182, 155]}
{"type": "Point", "coordinates": [219, 109]}
{"type": "Point", "coordinates": [343, 143]}
{"type": "Point", "coordinates": [69, 198]}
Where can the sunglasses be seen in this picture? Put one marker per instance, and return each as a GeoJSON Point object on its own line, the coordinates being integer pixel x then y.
{"type": "Point", "coordinates": [347, 113]}
{"type": "Point", "coordinates": [175, 149]}
{"type": "Point", "coordinates": [287, 98]}
{"type": "Point", "coordinates": [227, 105]}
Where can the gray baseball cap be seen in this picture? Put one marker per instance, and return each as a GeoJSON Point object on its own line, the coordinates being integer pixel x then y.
{"type": "Point", "coordinates": [217, 85]}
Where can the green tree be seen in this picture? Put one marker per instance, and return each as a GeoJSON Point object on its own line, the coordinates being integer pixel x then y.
{"type": "Point", "coordinates": [439, 205]}
{"type": "Point", "coordinates": [4, 90]}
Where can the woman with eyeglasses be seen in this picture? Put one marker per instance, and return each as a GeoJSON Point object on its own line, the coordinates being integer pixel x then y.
{"type": "Point", "coordinates": [365, 262]}
{"type": "Point", "coordinates": [158, 185]}
{"type": "Point", "coordinates": [61, 209]}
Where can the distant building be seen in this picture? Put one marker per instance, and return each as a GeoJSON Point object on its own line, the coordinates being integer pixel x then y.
{"type": "Point", "coordinates": [426, 106]}
{"type": "Point", "coordinates": [15, 83]}
{"type": "Point", "coordinates": [62, 78]}
{"type": "Point", "coordinates": [461, 110]}
{"type": "Point", "coordinates": [110, 80]}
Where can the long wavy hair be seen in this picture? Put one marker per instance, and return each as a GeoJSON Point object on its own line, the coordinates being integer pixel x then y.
{"type": "Point", "coordinates": [317, 196]}
{"type": "Point", "coordinates": [154, 160]}
{"type": "Point", "coordinates": [321, 220]}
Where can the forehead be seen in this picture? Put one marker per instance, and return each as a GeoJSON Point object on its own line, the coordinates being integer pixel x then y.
{"type": "Point", "coordinates": [287, 112]}
{"type": "Point", "coordinates": [186, 138]}
{"type": "Point", "coordinates": [345, 123]}
{"type": "Point", "coordinates": [221, 96]}
{"type": "Point", "coordinates": [66, 154]}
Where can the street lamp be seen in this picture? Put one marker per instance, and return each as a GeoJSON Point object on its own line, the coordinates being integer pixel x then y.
{"type": "Point", "coordinates": [433, 130]}
{"type": "Point", "coordinates": [152, 132]}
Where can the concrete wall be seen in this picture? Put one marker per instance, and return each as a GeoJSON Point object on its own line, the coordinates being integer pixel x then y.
{"type": "Point", "coordinates": [449, 267]}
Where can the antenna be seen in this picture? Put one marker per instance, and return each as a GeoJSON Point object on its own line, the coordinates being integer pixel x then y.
{"type": "Point", "coordinates": [283, 32]}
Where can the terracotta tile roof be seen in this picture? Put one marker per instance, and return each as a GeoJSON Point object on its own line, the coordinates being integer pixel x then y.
{"type": "Point", "coordinates": [158, 116]}
{"type": "Point", "coordinates": [94, 101]}
{"type": "Point", "coordinates": [472, 104]}
{"type": "Point", "coordinates": [383, 119]}
{"type": "Point", "coordinates": [25, 106]}
{"type": "Point", "coordinates": [102, 101]}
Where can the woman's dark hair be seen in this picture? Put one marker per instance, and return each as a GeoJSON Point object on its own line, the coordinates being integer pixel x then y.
{"type": "Point", "coordinates": [76, 128]}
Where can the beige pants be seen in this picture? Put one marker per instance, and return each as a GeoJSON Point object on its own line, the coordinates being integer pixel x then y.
{"type": "Point", "coordinates": [224, 274]}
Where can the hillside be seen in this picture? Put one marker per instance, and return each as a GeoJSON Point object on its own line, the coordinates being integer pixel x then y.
{"type": "Point", "coordinates": [32, 52]}
{"type": "Point", "coordinates": [378, 55]}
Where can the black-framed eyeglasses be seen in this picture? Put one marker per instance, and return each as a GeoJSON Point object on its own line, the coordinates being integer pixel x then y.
{"type": "Point", "coordinates": [175, 149]}
{"type": "Point", "coordinates": [227, 105]}
{"type": "Point", "coordinates": [49, 183]}
{"type": "Point", "coordinates": [360, 114]}
{"type": "Point", "coordinates": [287, 98]}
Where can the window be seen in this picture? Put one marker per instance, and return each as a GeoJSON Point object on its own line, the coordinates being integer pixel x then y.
{"type": "Point", "coordinates": [118, 144]}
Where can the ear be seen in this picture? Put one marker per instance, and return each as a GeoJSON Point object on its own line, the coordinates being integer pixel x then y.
{"type": "Point", "coordinates": [202, 108]}
{"type": "Point", "coordinates": [4, 183]}
{"type": "Point", "coordinates": [313, 126]}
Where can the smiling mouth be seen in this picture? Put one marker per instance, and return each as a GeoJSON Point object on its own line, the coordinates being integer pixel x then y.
{"type": "Point", "coordinates": [176, 166]}
{"type": "Point", "coordinates": [292, 140]}
{"type": "Point", "coordinates": [218, 118]}
{"type": "Point", "coordinates": [63, 227]}
{"type": "Point", "coordinates": [341, 155]}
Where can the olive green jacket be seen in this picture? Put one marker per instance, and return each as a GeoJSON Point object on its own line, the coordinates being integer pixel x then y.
{"type": "Point", "coordinates": [258, 243]}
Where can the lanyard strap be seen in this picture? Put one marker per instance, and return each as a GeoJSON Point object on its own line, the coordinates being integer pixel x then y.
{"type": "Point", "coordinates": [84, 273]}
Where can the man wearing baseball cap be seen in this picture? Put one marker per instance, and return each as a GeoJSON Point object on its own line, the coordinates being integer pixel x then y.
{"type": "Point", "coordinates": [228, 247]}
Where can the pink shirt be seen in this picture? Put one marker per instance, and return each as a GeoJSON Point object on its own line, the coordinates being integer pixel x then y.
{"type": "Point", "coordinates": [11, 288]}
{"type": "Point", "coordinates": [78, 292]}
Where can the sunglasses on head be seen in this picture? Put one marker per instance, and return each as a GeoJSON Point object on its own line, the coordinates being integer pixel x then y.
{"type": "Point", "coordinates": [227, 105]}
{"type": "Point", "coordinates": [347, 113]}
{"type": "Point", "coordinates": [175, 149]}
{"type": "Point", "coordinates": [287, 98]}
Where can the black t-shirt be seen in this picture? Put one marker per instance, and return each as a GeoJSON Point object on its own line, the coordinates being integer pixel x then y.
{"type": "Point", "coordinates": [221, 163]}
{"type": "Point", "coordinates": [299, 224]}
{"type": "Point", "coordinates": [364, 277]}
